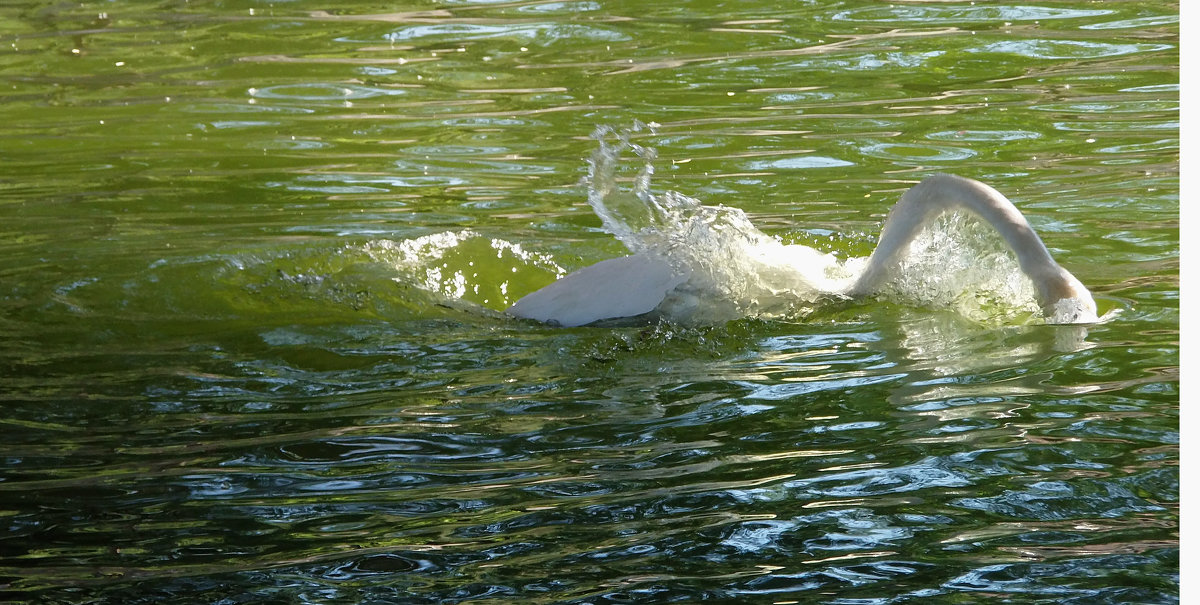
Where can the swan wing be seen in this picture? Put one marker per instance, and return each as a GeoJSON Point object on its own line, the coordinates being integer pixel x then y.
{"type": "Point", "coordinates": [620, 287]}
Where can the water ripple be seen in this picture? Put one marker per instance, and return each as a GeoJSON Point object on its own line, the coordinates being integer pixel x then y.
{"type": "Point", "coordinates": [964, 14]}
{"type": "Point", "coordinates": [1069, 49]}
{"type": "Point", "coordinates": [527, 32]}
{"type": "Point", "coordinates": [912, 152]}
{"type": "Point", "coordinates": [323, 92]}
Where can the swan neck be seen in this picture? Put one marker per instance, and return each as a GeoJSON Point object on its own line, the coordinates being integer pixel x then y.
{"type": "Point", "coordinates": [941, 193]}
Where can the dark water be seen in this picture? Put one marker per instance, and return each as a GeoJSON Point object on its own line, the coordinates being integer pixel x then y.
{"type": "Point", "coordinates": [252, 257]}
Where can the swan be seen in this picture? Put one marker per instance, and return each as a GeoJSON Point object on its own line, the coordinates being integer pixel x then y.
{"type": "Point", "coordinates": [635, 285]}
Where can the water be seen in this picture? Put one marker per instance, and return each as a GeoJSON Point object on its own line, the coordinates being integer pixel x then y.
{"type": "Point", "coordinates": [255, 257]}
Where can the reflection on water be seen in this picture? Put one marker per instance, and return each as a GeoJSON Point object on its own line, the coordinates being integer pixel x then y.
{"type": "Point", "coordinates": [253, 257]}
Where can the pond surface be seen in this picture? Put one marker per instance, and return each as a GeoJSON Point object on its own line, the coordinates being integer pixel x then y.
{"type": "Point", "coordinates": [254, 257]}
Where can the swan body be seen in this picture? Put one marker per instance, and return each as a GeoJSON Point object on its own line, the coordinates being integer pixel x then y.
{"type": "Point", "coordinates": [635, 285]}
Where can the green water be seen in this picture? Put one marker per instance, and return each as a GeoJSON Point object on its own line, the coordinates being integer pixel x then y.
{"type": "Point", "coordinates": [237, 365]}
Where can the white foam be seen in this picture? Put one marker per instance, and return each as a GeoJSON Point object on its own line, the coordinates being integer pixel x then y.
{"type": "Point", "coordinates": [462, 265]}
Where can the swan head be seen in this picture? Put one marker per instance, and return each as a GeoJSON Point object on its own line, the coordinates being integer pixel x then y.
{"type": "Point", "coordinates": [1066, 300]}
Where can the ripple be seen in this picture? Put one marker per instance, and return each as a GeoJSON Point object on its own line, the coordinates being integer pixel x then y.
{"type": "Point", "coordinates": [1117, 126]}
{"type": "Point", "coordinates": [318, 91]}
{"type": "Point", "coordinates": [869, 61]}
{"type": "Point", "coordinates": [291, 144]}
{"type": "Point", "coordinates": [796, 97]}
{"type": "Point", "coordinates": [798, 162]}
{"type": "Point", "coordinates": [1152, 146]}
{"type": "Point", "coordinates": [1140, 22]}
{"type": "Point", "coordinates": [350, 183]}
{"type": "Point", "coordinates": [788, 390]}
{"type": "Point", "coordinates": [1110, 107]}
{"type": "Point", "coordinates": [1071, 578]}
{"type": "Point", "coordinates": [382, 564]}
{"type": "Point", "coordinates": [926, 474]}
{"type": "Point", "coordinates": [238, 108]}
{"type": "Point", "coordinates": [371, 70]}
{"type": "Point", "coordinates": [1063, 500]}
{"type": "Point", "coordinates": [1153, 88]}
{"type": "Point", "coordinates": [1068, 49]}
{"type": "Point", "coordinates": [447, 165]}
{"type": "Point", "coordinates": [959, 14]}
{"type": "Point", "coordinates": [546, 33]}
{"type": "Point", "coordinates": [757, 536]}
{"type": "Point", "coordinates": [914, 152]}
{"type": "Point", "coordinates": [228, 124]}
{"type": "Point", "coordinates": [455, 150]}
{"type": "Point", "coordinates": [984, 135]}
{"type": "Point", "coordinates": [432, 449]}
{"type": "Point", "coordinates": [559, 7]}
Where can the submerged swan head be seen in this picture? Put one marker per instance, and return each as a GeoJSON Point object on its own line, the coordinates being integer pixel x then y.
{"type": "Point", "coordinates": [1065, 300]}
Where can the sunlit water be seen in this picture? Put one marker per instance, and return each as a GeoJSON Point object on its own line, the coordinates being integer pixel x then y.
{"type": "Point", "coordinates": [256, 256]}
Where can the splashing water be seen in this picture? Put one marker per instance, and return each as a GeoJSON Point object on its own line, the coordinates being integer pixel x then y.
{"type": "Point", "coordinates": [959, 262]}
{"type": "Point", "coordinates": [462, 265]}
{"type": "Point", "coordinates": [734, 270]}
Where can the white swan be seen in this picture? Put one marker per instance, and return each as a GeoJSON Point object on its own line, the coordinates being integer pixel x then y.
{"type": "Point", "coordinates": [635, 285]}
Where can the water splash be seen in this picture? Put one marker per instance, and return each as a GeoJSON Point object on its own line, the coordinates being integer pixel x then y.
{"type": "Point", "coordinates": [731, 269]}
{"type": "Point", "coordinates": [961, 263]}
{"type": "Point", "coordinates": [734, 270]}
{"type": "Point", "coordinates": [463, 265]}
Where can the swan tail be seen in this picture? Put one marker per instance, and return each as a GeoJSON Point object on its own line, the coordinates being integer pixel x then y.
{"type": "Point", "coordinates": [620, 287]}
